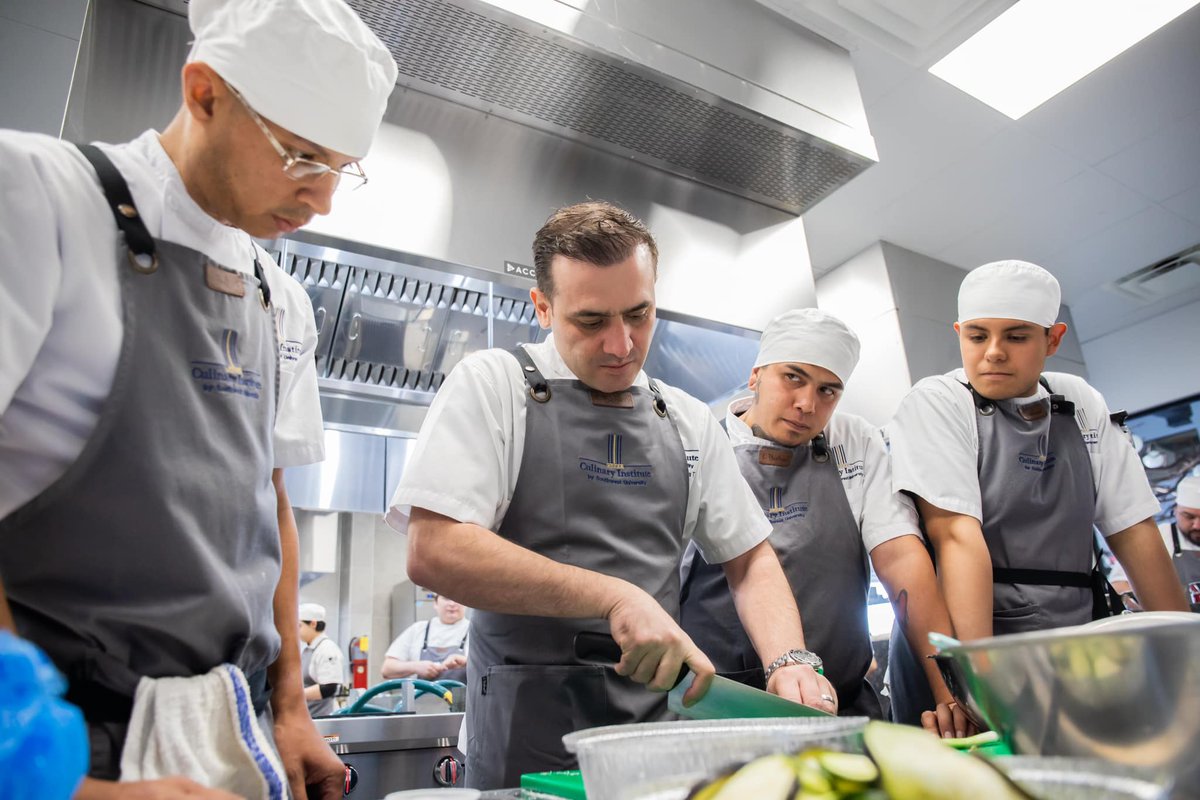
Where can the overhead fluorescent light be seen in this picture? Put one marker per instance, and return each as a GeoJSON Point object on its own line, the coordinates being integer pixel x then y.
{"type": "Point", "coordinates": [1037, 48]}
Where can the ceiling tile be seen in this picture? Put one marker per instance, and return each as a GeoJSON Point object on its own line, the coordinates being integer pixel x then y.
{"type": "Point", "coordinates": [1100, 311]}
{"type": "Point", "coordinates": [1186, 204]}
{"type": "Point", "coordinates": [1131, 244]}
{"type": "Point", "coordinates": [1043, 223]}
{"type": "Point", "coordinates": [967, 196]}
{"type": "Point", "coordinates": [1127, 99]}
{"type": "Point", "coordinates": [1162, 165]}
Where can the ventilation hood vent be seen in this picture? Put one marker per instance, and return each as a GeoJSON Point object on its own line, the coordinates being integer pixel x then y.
{"type": "Point", "coordinates": [1171, 276]}
{"type": "Point", "coordinates": [475, 54]}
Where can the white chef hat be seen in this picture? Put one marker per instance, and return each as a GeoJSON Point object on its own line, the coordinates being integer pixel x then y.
{"type": "Point", "coordinates": [809, 336]}
{"type": "Point", "coordinates": [312, 612]}
{"type": "Point", "coordinates": [1187, 493]}
{"type": "Point", "coordinates": [1010, 290]}
{"type": "Point", "coordinates": [310, 66]}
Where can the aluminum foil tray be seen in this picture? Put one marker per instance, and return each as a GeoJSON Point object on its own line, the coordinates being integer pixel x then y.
{"type": "Point", "coordinates": [621, 762]}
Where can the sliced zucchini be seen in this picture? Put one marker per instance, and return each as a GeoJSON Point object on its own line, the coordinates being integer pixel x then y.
{"type": "Point", "coordinates": [766, 778]}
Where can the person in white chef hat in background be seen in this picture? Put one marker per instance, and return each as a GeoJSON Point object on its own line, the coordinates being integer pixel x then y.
{"type": "Point", "coordinates": [1010, 468]}
{"type": "Point", "coordinates": [321, 663]}
{"type": "Point", "coordinates": [823, 480]}
{"type": "Point", "coordinates": [1182, 538]}
{"type": "Point", "coordinates": [156, 375]}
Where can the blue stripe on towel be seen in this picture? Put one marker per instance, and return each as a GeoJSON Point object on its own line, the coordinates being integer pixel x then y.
{"type": "Point", "coordinates": [274, 781]}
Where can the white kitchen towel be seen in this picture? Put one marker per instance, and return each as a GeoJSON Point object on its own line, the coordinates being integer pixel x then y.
{"type": "Point", "coordinates": [203, 728]}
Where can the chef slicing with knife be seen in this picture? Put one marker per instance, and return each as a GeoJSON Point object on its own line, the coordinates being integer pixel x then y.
{"type": "Point", "coordinates": [1011, 469]}
{"type": "Point", "coordinates": [822, 478]}
{"type": "Point", "coordinates": [155, 377]}
{"type": "Point", "coordinates": [553, 489]}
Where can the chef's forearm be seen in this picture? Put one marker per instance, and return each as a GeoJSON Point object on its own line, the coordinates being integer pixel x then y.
{"type": "Point", "coordinates": [964, 569]}
{"type": "Point", "coordinates": [287, 684]}
{"type": "Point", "coordinates": [482, 570]}
{"type": "Point", "coordinates": [1147, 563]}
{"type": "Point", "coordinates": [764, 602]}
{"type": "Point", "coordinates": [904, 568]}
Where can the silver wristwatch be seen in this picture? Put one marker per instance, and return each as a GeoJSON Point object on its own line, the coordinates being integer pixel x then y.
{"type": "Point", "coordinates": [796, 657]}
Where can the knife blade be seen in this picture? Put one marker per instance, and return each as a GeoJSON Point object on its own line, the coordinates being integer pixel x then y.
{"type": "Point", "coordinates": [725, 698]}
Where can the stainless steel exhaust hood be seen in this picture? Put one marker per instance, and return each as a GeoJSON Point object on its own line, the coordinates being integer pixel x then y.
{"type": "Point", "coordinates": [576, 70]}
{"type": "Point", "coordinates": [390, 326]}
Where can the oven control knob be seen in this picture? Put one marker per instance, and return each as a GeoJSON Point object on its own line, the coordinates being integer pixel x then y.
{"type": "Point", "coordinates": [448, 771]}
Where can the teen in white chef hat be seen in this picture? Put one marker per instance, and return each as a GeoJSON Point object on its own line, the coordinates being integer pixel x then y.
{"type": "Point", "coordinates": [823, 480]}
{"type": "Point", "coordinates": [1012, 466]}
{"type": "Point", "coordinates": [172, 613]}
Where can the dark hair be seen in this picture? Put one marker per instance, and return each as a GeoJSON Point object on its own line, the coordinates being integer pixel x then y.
{"type": "Point", "coordinates": [597, 232]}
{"type": "Point", "coordinates": [320, 626]}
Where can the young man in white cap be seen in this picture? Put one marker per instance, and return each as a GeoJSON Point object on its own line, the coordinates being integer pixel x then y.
{"type": "Point", "coordinates": [1011, 468]}
{"type": "Point", "coordinates": [553, 489]}
{"type": "Point", "coordinates": [156, 375]}
{"type": "Point", "coordinates": [822, 478]}
{"type": "Point", "coordinates": [321, 662]}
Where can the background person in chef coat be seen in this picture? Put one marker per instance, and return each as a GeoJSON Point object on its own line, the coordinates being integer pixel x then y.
{"type": "Point", "coordinates": [1181, 535]}
{"type": "Point", "coordinates": [1010, 477]}
{"type": "Point", "coordinates": [321, 663]}
{"type": "Point", "coordinates": [822, 478]}
{"type": "Point", "coordinates": [432, 649]}
{"type": "Point", "coordinates": [130, 515]}
{"type": "Point", "coordinates": [553, 491]}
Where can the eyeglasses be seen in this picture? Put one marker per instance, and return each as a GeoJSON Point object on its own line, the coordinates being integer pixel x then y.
{"type": "Point", "coordinates": [304, 169]}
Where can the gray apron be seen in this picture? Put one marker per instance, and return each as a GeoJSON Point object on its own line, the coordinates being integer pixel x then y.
{"type": "Point", "coordinates": [440, 654]}
{"type": "Point", "coordinates": [157, 552]}
{"type": "Point", "coordinates": [820, 546]}
{"type": "Point", "coordinates": [1187, 567]}
{"type": "Point", "coordinates": [1039, 504]}
{"type": "Point", "coordinates": [603, 486]}
{"type": "Point", "coordinates": [326, 705]}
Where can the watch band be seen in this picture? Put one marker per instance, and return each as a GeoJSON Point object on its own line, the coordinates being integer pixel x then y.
{"type": "Point", "coordinates": [796, 657]}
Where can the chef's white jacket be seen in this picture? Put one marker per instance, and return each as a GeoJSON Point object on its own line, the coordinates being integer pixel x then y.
{"type": "Point", "coordinates": [468, 455]}
{"type": "Point", "coordinates": [60, 320]}
{"type": "Point", "coordinates": [934, 446]}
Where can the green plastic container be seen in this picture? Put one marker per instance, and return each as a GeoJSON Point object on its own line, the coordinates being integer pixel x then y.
{"type": "Point", "coordinates": [568, 783]}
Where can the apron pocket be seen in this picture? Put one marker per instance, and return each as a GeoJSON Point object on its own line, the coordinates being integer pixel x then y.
{"type": "Point", "coordinates": [1022, 619]}
{"type": "Point", "coordinates": [525, 712]}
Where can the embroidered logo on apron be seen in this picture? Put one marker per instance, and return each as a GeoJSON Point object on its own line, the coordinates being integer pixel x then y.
{"type": "Point", "coordinates": [230, 377]}
{"type": "Point", "coordinates": [1041, 461]}
{"type": "Point", "coordinates": [779, 510]}
{"type": "Point", "coordinates": [1194, 593]}
{"type": "Point", "coordinates": [613, 469]}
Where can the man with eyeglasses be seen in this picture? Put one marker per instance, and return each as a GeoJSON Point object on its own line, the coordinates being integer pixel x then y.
{"type": "Point", "coordinates": [155, 377]}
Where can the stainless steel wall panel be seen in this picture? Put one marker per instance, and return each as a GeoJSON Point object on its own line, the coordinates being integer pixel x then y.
{"type": "Point", "coordinates": [351, 478]}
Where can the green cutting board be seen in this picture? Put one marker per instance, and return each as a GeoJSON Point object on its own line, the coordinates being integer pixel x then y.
{"type": "Point", "coordinates": [568, 783]}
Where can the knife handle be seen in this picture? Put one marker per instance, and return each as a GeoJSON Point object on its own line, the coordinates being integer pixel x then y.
{"type": "Point", "coordinates": [600, 648]}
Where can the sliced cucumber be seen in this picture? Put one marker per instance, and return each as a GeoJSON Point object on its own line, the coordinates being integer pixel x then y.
{"type": "Point", "coordinates": [849, 768]}
{"type": "Point", "coordinates": [766, 778]}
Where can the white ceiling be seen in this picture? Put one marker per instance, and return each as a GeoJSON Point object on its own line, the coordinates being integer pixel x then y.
{"type": "Point", "coordinates": [1099, 181]}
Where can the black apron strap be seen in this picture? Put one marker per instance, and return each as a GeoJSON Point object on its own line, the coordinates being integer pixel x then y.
{"type": "Point", "coordinates": [1041, 577]}
{"type": "Point", "coordinates": [539, 388]}
{"type": "Point", "coordinates": [1178, 548]}
{"type": "Point", "coordinates": [101, 704]}
{"type": "Point", "coordinates": [142, 254]}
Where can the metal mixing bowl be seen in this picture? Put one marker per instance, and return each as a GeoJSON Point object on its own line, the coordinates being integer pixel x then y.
{"type": "Point", "coordinates": [1128, 694]}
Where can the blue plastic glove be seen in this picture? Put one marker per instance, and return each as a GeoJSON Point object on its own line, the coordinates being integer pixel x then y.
{"type": "Point", "coordinates": [43, 739]}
